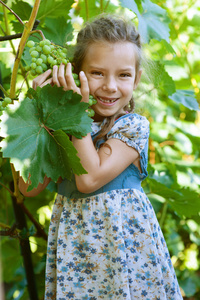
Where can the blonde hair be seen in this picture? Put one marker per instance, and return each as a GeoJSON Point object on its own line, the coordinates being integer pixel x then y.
{"type": "Point", "coordinates": [112, 29]}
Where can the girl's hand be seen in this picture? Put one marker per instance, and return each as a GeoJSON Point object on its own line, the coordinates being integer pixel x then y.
{"type": "Point", "coordinates": [42, 80]}
{"type": "Point", "coordinates": [64, 78]}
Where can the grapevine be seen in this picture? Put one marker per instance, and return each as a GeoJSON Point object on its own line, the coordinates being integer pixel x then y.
{"type": "Point", "coordinates": [44, 55]}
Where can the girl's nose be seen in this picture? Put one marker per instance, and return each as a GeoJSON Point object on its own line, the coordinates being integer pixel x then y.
{"type": "Point", "coordinates": [110, 85]}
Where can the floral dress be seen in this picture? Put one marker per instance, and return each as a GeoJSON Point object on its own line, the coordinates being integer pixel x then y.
{"type": "Point", "coordinates": [108, 244]}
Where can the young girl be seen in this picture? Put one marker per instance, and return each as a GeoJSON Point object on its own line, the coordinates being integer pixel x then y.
{"type": "Point", "coordinates": [104, 239]}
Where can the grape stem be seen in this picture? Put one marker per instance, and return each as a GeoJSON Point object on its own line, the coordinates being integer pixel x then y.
{"type": "Point", "coordinates": [40, 32]}
{"type": "Point", "coordinates": [18, 18]}
{"type": "Point", "coordinates": [4, 91]}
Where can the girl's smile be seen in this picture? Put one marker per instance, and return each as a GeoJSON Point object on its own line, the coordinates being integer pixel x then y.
{"type": "Point", "coordinates": [110, 70]}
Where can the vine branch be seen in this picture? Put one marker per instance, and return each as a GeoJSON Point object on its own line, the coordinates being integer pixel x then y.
{"type": "Point", "coordinates": [40, 230]}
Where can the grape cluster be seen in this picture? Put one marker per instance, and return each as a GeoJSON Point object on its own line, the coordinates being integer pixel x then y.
{"type": "Point", "coordinates": [44, 55]}
{"type": "Point", "coordinates": [3, 103]}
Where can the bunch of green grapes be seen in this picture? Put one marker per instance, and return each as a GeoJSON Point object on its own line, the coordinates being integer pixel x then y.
{"type": "Point", "coordinates": [3, 103]}
{"type": "Point", "coordinates": [44, 55]}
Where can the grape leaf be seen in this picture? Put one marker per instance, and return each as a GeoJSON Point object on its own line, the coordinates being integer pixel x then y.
{"type": "Point", "coordinates": [185, 97]}
{"type": "Point", "coordinates": [184, 201]}
{"type": "Point", "coordinates": [153, 22]}
{"type": "Point", "coordinates": [58, 30]}
{"type": "Point", "coordinates": [62, 110]}
{"type": "Point", "coordinates": [34, 132]}
{"type": "Point", "coordinates": [22, 9]}
{"type": "Point", "coordinates": [54, 9]}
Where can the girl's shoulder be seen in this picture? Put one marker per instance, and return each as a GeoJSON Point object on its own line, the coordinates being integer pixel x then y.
{"type": "Point", "coordinates": [132, 123]}
{"type": "Point", "coordinates": [133, 129]}
{"type": "Point", "coordinates": [132, 119]}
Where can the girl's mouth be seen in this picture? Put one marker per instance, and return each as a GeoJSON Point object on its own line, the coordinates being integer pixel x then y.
{"type": "Point", "coordinates": [107, 100]}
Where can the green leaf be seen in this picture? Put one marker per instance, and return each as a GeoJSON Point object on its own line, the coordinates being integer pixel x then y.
{"type": "Point", "coordinates": [94, 8]}
{"type": "Point", "coordinates": [168, 47]}
{"type": "Point", "coordinates": [67, 155]}
{"type": "Point", "coordinates": [153, 22]}
{"type": "Point", "coordinates": [186, 98]}
{"type": "Point", "coordinates": [54, 9]}
{"type": "Point", "coordinates": [22, 9]}
{"type": "Point", "coordinates": [162, 79]}
{"type": "Point", "coordinates": [185, 202]}
{"type": "Point", "coordinates": [168, 83]}
{"type": "Point", "coordinates": [62, 110]}
{"type": "Point", "coordinates": [57, 30]}
{"type": "Point", "coordinates": [29, 138]}
{"type": "Point", "coordinates": [189, 286]}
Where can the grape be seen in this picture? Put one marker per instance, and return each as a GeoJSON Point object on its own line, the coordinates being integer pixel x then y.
{"type": "Point", "coordinates": [33, 66]}
{"type": "Point", "coordinates": [39, 70]}
{"type": "Point", "coordinates": [77, 82]}
{"type": "Point", "coordinates": [7, 100]}
{"type": "Point", "coordinates": [50, 59]}
{"type": "Point", "coordinates": [30, 44]}
{"type": "Point", "coordinates": [32, 49]}
{"type": "Point", "coordinates": [39, 61]}
{"type": "Point", "coordinates": [75, 76]}
{"type": "Point", "coordinates": [38, 48]}
{"type": "Point", "coordinates": [34, 53]}
{"type": "Point", "coordinates": [44, 67]}
{"type": "Point", "coordinates": [3, 104]}
{"type": "Point", "coordinates": [90, 112]}
{"type": "Point", "coordinates": [33, 72]}
{"type": "Point", "coordinates": [41, 43]}
{"type": "Point", "coordinates": [46, 49]}
{"type": "Point", "coordinates": [64, 61]}
{"type": "Point", "coordinates": [43, 57]}
{"type": "Point", "coordinates": [92, 100]}
{"type": "Point", "coordinates": [47, 42]}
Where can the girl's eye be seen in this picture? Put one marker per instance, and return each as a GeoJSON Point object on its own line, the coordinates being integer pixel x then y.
{"type": "Point", "coordinates": [96, 73]}
{"type": "Point", "coordinates": [125, 75]}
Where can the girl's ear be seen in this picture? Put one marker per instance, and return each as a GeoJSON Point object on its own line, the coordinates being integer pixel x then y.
{"type": "Point", "coordinates": [137, 79]}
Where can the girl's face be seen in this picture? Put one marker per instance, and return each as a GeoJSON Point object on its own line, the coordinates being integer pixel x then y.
{"type": "Point", "coordinates": [110, 70]}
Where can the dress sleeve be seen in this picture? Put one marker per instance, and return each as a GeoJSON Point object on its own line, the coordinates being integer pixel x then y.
{"type": "Point", "coordinates": [132, 129]}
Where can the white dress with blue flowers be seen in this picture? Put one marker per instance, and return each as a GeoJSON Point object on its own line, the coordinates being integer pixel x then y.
{"type": "Point", "coordinates": [108, 244]}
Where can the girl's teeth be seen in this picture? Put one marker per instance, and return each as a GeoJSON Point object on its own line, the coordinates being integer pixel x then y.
{"type": "Point", "coordinates": [107, 101]}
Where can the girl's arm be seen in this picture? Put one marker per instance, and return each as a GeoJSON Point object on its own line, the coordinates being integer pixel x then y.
{"type": "Point", "coordinates": [104, 165]}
